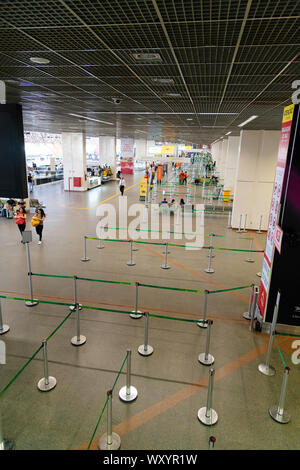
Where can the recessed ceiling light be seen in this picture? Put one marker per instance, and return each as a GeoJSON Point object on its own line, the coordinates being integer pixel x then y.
{"type": "Point", "coordinates": [173, 95]}
{"type": "Point", "coordinates": [40, 60]}
{"type": "Point", "coordinates": [146, 56]}
{"type": "Point", "coordinates": [90, 119]}
{"type": "Point", "coordinates": [228, 133]}
{"type": "Point", "coordinates": [248, 120]}
{"type": "Point", "coordinates": [163, 81]}
{"type": "Point", "coordinates": [189, 119]}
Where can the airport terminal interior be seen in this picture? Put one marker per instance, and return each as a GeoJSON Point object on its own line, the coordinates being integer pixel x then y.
{"type": "Point", "coordinates": [146, 304]}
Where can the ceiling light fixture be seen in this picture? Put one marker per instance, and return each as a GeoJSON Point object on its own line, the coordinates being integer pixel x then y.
{"type": "Point", "coordinates": [90, 119]}
{"type": "Point", "coordinates": [248, 120]}
{"type": "Point", "coordinates": [146, 56]}
{"type": "Point", "coordinates": [40, 60]}
{"type": "Point", "coordinates": [228, 133]}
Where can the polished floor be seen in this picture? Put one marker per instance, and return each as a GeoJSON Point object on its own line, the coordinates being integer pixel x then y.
{"type": "Point", "coordinates": [171, 383]}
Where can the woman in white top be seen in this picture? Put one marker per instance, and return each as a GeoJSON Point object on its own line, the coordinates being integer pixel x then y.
{"type": "Point", "coordinates": [122, 185]}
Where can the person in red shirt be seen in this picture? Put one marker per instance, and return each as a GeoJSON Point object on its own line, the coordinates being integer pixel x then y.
{"type": "Point", "coordinates": [181, 176]}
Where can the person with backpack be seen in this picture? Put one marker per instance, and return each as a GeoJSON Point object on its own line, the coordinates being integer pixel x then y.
{"type": "Point", "coordinates": [20, 217]}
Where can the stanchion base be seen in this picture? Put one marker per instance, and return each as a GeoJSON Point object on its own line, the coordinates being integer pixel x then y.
{"type": "Point", "coordinates": [100, 247]}
{"type": "Point", "coordinates": [202, 325]}
{"type": "Point", "coordinates": [258, 231]}
{"type": "Point", "coordinates": [129, 263]}
{"type": "Point", "coordinates": [249, 260]}
{"type": "Point", "coordinates": [266, 370]}
{"type": "Point", "coordinates": [246, 316]}
{"type": "Point", "coordinates": [204, 419]}
{"type": "Point", "coordinates": [85, 259]}
{"type": "Point", "coordinates": [238, 231]}
{"type": "Point", "coordinates": [5, 329]}
{"type": "Point", "coordinates": [143, 352]}
{"type": "Point", "coordinates": [115, 445]}
{"type": "Point", "coordinates": [71, 307]}
{"type": "Point", "coordinates": [284, 418]}
{"type": "Point", "coordinates": [135, 248]}
{"type": "Point", "coordinates": [258, 274]}
{"type": "Point", "coordinates": [135, 314]}
{"type": "Point", "coordinates": [46, 388]}
{"type": "Point", "coordinates": [125, 397]}
{"type": "Point", "coordinates": [30, 303]}
{"type": "Point", "coordinates": [206, 361]}
{"type": "Point", "coordinates": [165, 266]}
{"type": "Point", "coordinates": [212, 256]}
{"type": "Point", "coordinates": [81, 341]}
{"type": "Point", "coordinates": [209, 270]}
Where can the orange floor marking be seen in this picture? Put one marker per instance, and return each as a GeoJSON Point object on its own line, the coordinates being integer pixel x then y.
{"type": "Point", "coordinates": [158, 408]}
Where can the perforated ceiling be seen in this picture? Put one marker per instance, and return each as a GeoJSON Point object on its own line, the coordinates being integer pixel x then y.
{"type": "Point", "coordinates": [229, 60]}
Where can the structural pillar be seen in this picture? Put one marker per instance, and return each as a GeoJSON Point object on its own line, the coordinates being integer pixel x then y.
{"type": "Point", "coordinates": [74, 160]}
{"type": "Point", "coordinates": [108, 152]}
{"type": "Point", "coordinates": [255, 177]}
{"type": "Point", "coordinates": [231, 162]}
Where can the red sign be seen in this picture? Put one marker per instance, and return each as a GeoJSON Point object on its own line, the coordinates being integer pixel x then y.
{"type": "Point", "coordinates": [278, 238]}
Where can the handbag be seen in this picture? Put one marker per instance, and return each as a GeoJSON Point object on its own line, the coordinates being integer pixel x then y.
{"type": "Point", "coordinates": [35, 222]}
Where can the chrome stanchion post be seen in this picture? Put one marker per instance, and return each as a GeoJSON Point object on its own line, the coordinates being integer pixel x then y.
{"type": "Point", "coordinates": [3, 328]}
{"type": "Point", "coordinates": [207, 415]}
{"type": "Point", "coordinates": [131, 262]}
{"type": "Point", "coordinates": [211, 236]}
{"type": "Point", "coordinates": [278, 413]}
{"type": "Point", "coordinates": [165, 265]}
{"type": "Point", "coordinates": [84, 258]}
{"type": "Point", "coordinates": [245, 221]}
{"type": "Point", "coordinates": [46, 383]}
{"type": "Point", "coordinates": [110, 440]}
{"type": "Point", "coordinates": [79, 339]}
{"type": "Point", "coordinates": [265, 368]}
{"type": "Point", "coordinates": [201, 324]}
{"type": "Point", "coordinates": [32, 301]}
{"type": "Point", "coordinates": [239, 229]}
{"type": "Point", "coordinates": [209, 269]}
{"type": "Point", "coordinates": [136, 313]}
{"type": "Point", "coordinates": [253, 307]}
{"type": "Point", "coordinates": [260, 222]}
{"type": "Point", "coordinates": [206, 358]}
{"type": "Point", "coordinates": [229, 219]}
{"type": "Point", "coordinates": [247, 315]}
{"type": "Point", "coordinates": [128, 392]}
{"type": "Point", "coordinates": [249, 259]}
{"type": "Point", "coordinates": [145, 349]}
{"type": "Point", "coordinates": [73, 307]}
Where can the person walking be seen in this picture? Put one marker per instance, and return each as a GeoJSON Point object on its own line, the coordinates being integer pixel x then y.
{"type": "Point", "coordinates": [122, 185]}
{"type": "Point", "coordinates": [20, 217]}
{"type": "Point", "coordinates": [38, 222]}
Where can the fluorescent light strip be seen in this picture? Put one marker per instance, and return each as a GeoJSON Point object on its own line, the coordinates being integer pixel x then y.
{"type": "Point", "coordinates": [248, 120]}
{"type": "Point", "coordinates": [174, 114]}
{"type": "Point", "coordinates": [91, 119]}
{"type": "Point", "coordinates": [228, 133]}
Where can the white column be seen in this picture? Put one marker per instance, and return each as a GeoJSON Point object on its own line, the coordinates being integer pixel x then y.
{"type": "Point", "coordinates": [255, 177]}
{"type": "Point", "coordinates": [108, 152]}
{"type": "Point", "coordinates": [74, 160]}
{"type": "Point", "coordinates": [231, 162]}
{"type": "Point", "coordinates": [52, 163]}
{"type": "Point", "coordinates": [140, 149]}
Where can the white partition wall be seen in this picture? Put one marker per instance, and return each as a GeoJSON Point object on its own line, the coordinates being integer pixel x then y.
{"type": "Point", "coordinates": [74, 159]}
{"type": "Point", "coordinates": [231, 162]}
{"type": "Point", "coordinates": [140, 149]}
{"type": "Point", "coordinates": [108, 152]}
{"type": "Point", "coordinates": [255, 177]}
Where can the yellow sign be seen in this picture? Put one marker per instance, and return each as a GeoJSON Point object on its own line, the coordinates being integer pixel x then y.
{"type": "Point", "coordinates": [143, 189]}
{"type": "Point", "coordinates": [188, 147]}
{"type": "Point", "coordinates": [288, 113]}
{"type": "Point", "coordinates": [168, 149]}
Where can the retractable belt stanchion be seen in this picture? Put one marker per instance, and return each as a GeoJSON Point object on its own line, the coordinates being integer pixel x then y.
{"type": "Point", "coordinates": [79, 339]}
{"type": "Point", "coordinates": [245, 221]}
{"type": "Point", "coordinates": [131, 262]}
{"type": "Point", "coordinates": [260, 222]}
{"type": "Point", "coordinates": [134, 247]}
{"type": "Point", "coordinates": [136, 313]}
{"type": "Point", "coordinates": [128, 393]}
{"type": "Point", "coordinates": [253, 307]}
{"type": "Point", "coordinates": [84, 258]}
{"type": "Point", "coordinates": [5, 444]}
{"type": "Point", "coordinates": [205, 358]}
{"type": "Point", "coordinates": [166, 249]}
{"type": "Point", "coordinates": [249, 259]}
{"type": "Point", "coordinates": [239, 229]}
{"type": "Point", "coordinates": [278, 413]}
{"type": "Point", "coordinates": [165, 265]}
{"type": "Point", "coordinates": [110, 440]}
{"type": "Point", "coordinates": [211, 237]}
{"type": "Point", "coordinates": [207, 415]}
{"type": "Point", "coordinates": [33, 302]}
{"type": "Point", "coordinates": [247, 315]}
{"type": "Point", "coordinates": [265, 368]}
{"type": "Point", "coordinates": [46, 383]}
{"type": "Point", "coordinates": [145, 349]}
{"type": "Point", "coordinates": [3, 328]}
{"type": "Point", "coordinates": [201, 324]}
{"type": "Point", "coordinates": [209, 269]}
{"type": "Point", "coordinates": [73, 307]}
